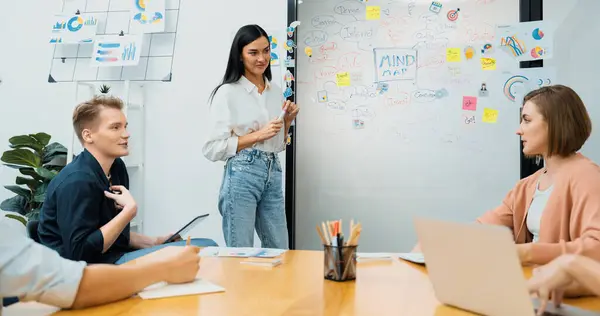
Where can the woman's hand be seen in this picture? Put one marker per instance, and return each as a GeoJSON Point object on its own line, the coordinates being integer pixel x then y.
{"type": "Point", "coordinates": [291, 111]}
{"type": "Point", "coordinates": [270, 130]}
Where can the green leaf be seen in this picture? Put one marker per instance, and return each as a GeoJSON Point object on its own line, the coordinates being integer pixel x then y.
{"type": "Point", "coordinates": [13, 166]}
{"type": "Point", "coordinates": [54, 168]}
{"type": "Point", "coordinates": [18, 218]}
{"type": "Point", "coordinates": [33, 215]}
{"type": "Point", "coordinates": [41, 138]}
{"type": "Point", "coordinates": [56, 163]}
{"type": "Point", "coordinates": [26, 141]}
{"type": "Point", "coordinates": [22, 140]}
{"type": "Point", "coordinates": [53, 151]}
{"type": "Point", "coordinates": [31, 172]}
{"type": "Point", "coordinates": [19, 191]}
{"type": "Point", "coordinates": [15, 204]}
{"type": "Point", "coordinates": [30, 182]}
{"type": "Point", "coordinates": [40, 193]}
{"type": "Point", "coordinates": [22, 157]}
{"type": "Point", "coordinates": [47, 174]}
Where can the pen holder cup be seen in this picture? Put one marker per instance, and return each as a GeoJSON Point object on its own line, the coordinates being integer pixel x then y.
{"type": "Point", "coordinates": [340, 263]}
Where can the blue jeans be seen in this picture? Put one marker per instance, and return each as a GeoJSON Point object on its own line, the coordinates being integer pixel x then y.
{"type": "Point", "coordinates": [251, 197]}
{"type": "Point", "coordinates": [199, 242]}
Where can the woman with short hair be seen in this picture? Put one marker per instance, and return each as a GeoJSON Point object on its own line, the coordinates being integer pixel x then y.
{"type": "Point", "coordinates": [561, 200]}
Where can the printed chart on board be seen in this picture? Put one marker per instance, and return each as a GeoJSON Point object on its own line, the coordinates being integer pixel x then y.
{"type": "Point", "coordinates": [104, 40]}
{"type": "Point", "coordinates": [410, 108]}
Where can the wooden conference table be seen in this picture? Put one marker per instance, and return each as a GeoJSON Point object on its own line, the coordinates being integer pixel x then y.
{"type": "Point", "coordinates": [297, 287]}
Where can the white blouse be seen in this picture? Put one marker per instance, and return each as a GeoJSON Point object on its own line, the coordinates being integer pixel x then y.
{"type": "Point", "coordinates": [237, 110]}
{"type": "Point", "coordinates": [536, 209]}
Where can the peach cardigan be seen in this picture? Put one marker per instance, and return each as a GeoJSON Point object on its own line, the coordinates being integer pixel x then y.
{"type": "Point", "coordinates": [572, 212]}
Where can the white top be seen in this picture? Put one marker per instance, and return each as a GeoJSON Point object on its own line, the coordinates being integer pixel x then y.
{"type": "Point", "coordinates": [33, 272]}
{"type": "Point", "coordinates": [534, 215]}
{"type": "Point", "coordinates": [237, 110]}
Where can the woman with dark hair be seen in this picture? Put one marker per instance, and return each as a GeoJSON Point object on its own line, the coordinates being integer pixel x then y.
{"type": "Point", "coordinates": [250, 118]}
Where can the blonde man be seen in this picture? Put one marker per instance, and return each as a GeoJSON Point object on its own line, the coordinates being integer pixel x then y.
{"type": "Point", "coordinates": [84, 216]}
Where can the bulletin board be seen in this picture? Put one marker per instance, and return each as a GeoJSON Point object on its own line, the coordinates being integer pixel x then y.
{"type": "Point", "coordinates": [72, 62]}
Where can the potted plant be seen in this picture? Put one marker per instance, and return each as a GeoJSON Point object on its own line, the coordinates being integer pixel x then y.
{"type": "Point", "coordinates": [38, 162]}
{"type": "Point", "coordinates": [104, 89]}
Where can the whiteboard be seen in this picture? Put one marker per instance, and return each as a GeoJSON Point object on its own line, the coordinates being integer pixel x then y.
{"type": "Point", "coordinates": [392, 126]}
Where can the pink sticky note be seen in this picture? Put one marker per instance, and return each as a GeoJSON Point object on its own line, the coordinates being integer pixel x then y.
{"type": "Point", "coordinates": [469, 103]}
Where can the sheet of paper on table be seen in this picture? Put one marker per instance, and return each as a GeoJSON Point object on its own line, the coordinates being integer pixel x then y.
{"type": "Point", "coordinates": [375, 256]}
{"type": "Point", "coordinates": [241, 252]}
{"type": "Point", "coordinates": [414, 257]}
{"type": "Point", "coordinates": [163, 289]}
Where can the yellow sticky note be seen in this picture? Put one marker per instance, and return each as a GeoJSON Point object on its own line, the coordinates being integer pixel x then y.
{"type": "Point", "coordinates": [452, 55]}
{"type": "Point", "coordinates": [489, 115]}
{"type": "Point", "coordinates": [373, 12]}
{"type": "Point", "coordinates": [343, 79]}
{"type": "Point", "coordinates": [488, 63]}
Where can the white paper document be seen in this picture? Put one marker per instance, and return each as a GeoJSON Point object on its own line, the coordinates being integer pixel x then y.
{"type": "Point", "coordinates": [241, 252]}
{"type": "Point", "coordinates": [415, 257]}
{"type": "Point", "coordinates": [375, 256]}
{"type": "Point", "coordinates": [264, 262]}
{"type": "Point", "coordinates": [162, 289]}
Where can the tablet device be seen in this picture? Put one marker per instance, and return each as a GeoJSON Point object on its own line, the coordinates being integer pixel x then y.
{"type": "Point", "coordinates": [186, 228]}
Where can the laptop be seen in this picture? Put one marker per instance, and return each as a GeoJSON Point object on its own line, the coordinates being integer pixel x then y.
{"type": "Point", "coordinates": [475, 267]}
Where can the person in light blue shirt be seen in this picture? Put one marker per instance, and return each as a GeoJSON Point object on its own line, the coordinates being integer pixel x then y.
{"type": "Point", "coordinates": [33, 272]}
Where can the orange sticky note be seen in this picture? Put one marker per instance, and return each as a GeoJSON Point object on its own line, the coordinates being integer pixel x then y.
{"type": "Point", "coordinates": [489, 115]}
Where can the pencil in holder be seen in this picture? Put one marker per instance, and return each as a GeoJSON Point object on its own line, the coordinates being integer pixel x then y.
{"type": "Point", "coordinates": [340, 263]}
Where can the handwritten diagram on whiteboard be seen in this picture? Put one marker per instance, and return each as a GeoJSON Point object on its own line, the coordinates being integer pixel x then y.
{"type": "Point", "coordinates": [147, 59]}
{"type": "Point", "coordinates": [395, 64]}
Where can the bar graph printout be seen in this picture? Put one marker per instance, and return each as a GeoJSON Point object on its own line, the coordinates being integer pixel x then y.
{"type": "Point", "coordinates": [117, 51]}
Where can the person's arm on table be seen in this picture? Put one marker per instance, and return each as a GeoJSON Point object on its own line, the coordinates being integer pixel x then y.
{"type": "Point", "coordinates": [107, 283]}
{"type": "Point", "coordinates": [36, 273]}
